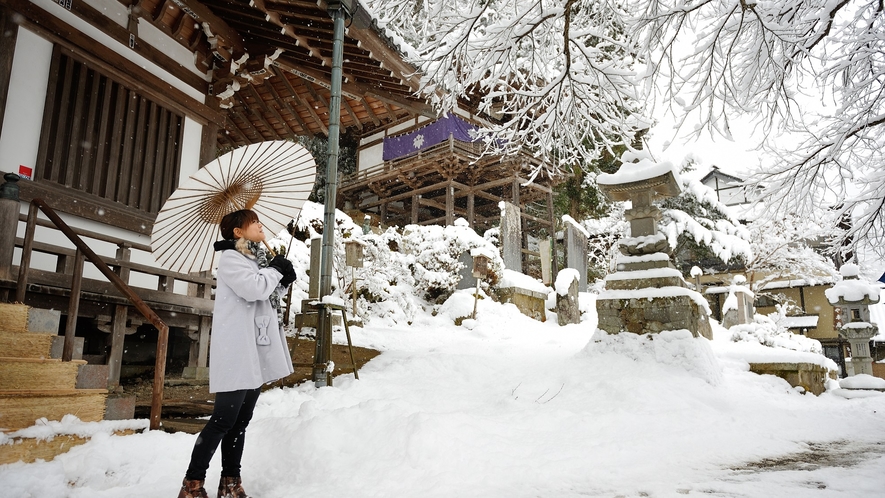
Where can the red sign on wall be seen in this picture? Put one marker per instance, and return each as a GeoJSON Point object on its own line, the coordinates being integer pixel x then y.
{"type": "Point", "coordinates": [25, 172]}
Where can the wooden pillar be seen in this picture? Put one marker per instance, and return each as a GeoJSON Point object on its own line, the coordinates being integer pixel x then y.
{"type": "Point", "coordinates": [450, 203]}
{"type": "Point", "coordinates": [209, 137]}
{"type": "Point", "coordinates": [383, 213]}
{"type": "Point", "coordinates": [514, 194]}
{"type": "Point", "coordinates": [9, 210]}
{"type": "Point", "coordinates": [8, 35]}
{"type": "Point", "coordinates": [471, 214]}
{"type": "Point", "coordinates": [416, 203]}
{"type": "Point", "coordinates": [203, 341]}
{"type": "Point", "coordinates": [118, 334]}
{"type": "Point", "coordinates": [118, 323]}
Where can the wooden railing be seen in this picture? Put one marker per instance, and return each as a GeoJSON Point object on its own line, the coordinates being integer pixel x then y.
{"type": "Point", "coordinates": [82, 253]}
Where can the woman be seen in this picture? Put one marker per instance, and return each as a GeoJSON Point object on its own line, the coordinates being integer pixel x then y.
{"type": "Point", "coordinates": [248, 349]}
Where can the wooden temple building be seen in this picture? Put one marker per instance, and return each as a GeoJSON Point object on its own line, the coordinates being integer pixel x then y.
{"type": "Point", "coordinates": [431, 171]}
{"type": "Point", "coordinates": [106, 105]}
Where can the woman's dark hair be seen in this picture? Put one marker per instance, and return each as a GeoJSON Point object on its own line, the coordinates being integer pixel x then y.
{"type": "Point", "coordinates": [237, 219]}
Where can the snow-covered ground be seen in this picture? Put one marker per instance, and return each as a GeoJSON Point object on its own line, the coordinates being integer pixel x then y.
{"type": "Point", "coordinates": [510, 407]}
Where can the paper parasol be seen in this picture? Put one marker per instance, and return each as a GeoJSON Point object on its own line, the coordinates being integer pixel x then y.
{"type": "Point", "coordinates": [273, 179]}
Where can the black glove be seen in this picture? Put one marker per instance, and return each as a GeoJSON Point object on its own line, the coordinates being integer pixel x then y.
{"type": "Point", "coordinates": [288, 278]}
{"type": "Point", "coordinates": [281, 264]}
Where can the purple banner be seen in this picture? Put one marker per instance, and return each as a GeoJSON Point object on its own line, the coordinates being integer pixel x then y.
{"type": "Point", "coordinates": [428, 136]}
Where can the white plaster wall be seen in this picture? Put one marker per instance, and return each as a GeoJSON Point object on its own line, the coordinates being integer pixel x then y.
{"type": "Point", "coordinates": [19, 143]}
{"type": "Point", "coordinates": [24, 106]}
{"type": "Point", "coordinates": [370, 156]}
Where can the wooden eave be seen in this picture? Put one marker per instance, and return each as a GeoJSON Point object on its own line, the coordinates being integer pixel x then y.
{"type": "Point", "coordinates": [269, 66]}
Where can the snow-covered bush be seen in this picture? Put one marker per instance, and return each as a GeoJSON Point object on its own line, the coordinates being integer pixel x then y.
{"type": "Point", "coordinates": [766, 332]}
{"type": "Point", "coordinates": [437, 251]}
{"type": "Point", "coordinates": [404, 270]}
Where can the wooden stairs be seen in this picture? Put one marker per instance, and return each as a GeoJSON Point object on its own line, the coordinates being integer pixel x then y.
{"type": "Point", "coordinates": [35, 386]}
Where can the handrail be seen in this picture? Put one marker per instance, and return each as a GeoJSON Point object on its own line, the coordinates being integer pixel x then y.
{"type": "Point", "coordinates": [83, 251]}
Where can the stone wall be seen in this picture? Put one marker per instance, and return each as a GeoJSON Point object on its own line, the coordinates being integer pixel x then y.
{"type": "Point", "coordinates": [809, 376]}
{"type": "Point", "coordinates": [650, 316]}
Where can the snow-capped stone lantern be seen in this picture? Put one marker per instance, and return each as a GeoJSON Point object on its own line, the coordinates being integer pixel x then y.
{"type": "Point", "coordinates": [852, 298]}
{"type": "Point", "coordinates": [647, 294]}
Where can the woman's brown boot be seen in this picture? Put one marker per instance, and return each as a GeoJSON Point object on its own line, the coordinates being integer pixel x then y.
{"type": "Point", "coordinates": [192, 489]}
{"type": "Point", "coordinates": [231, 487]}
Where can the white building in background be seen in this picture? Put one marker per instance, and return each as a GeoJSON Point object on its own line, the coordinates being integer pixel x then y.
{"type": "Point", "coordinates": [729, 189]}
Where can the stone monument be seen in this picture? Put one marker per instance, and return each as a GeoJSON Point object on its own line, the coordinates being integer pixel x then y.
{"type": "Point", "coordinates": [647, 294]}
{"type": "Point", "coordinates": [852, 298]}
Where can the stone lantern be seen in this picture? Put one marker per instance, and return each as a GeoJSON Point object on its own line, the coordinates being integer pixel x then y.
{"type": "Point", "coordinates": [647, 294]}
{"type": "Point", "coordinates": [852, 298]}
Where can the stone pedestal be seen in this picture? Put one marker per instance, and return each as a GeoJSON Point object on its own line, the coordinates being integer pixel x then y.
{"type": "Point", "coordinates": [858, 335]}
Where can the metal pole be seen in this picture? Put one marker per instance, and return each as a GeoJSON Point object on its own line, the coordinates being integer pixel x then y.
{"type": "Point", "coordinates": [324, 322]}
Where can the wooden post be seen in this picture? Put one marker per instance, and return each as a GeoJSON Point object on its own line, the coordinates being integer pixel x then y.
{"type": "Point", "coordinates": [118, 334]}
{"type": "Point", "coordinates": [416, 204]}
{"type": "Point", "coordinates": [9, 209]}
{"type": "Point", "coordinates": [471, 214]}
{"type": "Point", "coordinates": [450, 204]}
{"type": "Point", "coordinates": [73, 307]}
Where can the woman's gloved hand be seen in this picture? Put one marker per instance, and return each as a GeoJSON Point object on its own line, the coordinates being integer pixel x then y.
{"type": "Point", "coordinates": [281, 264]}
{"type": "Point", "coordinates": [288, 278]}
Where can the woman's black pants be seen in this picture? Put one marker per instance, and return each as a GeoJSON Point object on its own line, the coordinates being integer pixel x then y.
{"type": "Point", "coordinates": [232, 413]}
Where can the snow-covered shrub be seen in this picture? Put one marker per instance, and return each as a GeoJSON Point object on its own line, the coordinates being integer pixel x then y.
{"type": "Point", "coordinates": [437, 251]}
{"type": "Point", "coordinates": [404, 271]}
{"type": "Point", "coordinates": [385, 286]}
{"type": "Point", "coordinates": [766, 332]}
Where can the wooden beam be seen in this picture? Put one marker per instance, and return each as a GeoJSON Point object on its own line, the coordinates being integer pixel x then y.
{"type": "Point", "coordinates": [217, 26]}
{"type": "Point", "coordinates": [370, 111]}
{"type": "Point", "coordinates": [272, 111]}
{"type": "Point", "coordinates": [300, 102]}
{"type": "Point", "coordinates": [355, 90]}
{"type": "Point", "coordinates": [258, 115]}
{"type": "Point", "coordinates": [259, 137]}
{"type": "Point", "coordinates": [110, 62]}
{"type": "Point", "coordinates": [284, 103]}
{"type": "Point", "coordinates": [121, 35]}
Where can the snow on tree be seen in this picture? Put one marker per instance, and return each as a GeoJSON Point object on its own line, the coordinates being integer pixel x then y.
{"type": "Point", "coordinates": [558, 74]}
{"type": "Point", "coordinates": [570, 77]}
{"type": "Point", "coordinates": [814, 70]}
{"type": "Point", "coordinates": [702, 230]}
{"type": "Point", "coordinates": [793, 247]}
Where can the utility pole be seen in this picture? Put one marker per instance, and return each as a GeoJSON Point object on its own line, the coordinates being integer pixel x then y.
{"type": "Point", "coordinates": [339, 10]}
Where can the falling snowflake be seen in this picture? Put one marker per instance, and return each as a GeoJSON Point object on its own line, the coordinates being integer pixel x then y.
{"type": "Point", "coordinates": [418, 142]}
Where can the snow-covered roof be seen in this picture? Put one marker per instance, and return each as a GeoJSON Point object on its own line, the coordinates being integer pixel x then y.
{"type": "Point", "coordinates": [798, 322]}
{"type": "Point", "coordinates": [716, 172]}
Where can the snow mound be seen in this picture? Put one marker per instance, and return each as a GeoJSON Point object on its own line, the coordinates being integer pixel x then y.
{"type": "Point", "coordinates": [672, 348]}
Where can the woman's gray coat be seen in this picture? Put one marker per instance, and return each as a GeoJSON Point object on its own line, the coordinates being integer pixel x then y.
{"type": "Point", "coordinates": [247, 347]}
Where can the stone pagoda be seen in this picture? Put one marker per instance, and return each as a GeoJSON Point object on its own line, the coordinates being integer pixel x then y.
{"type": "Point", "coordinates": [647, 294]}
{"type": "Point", "coordinates": [851, 297]}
